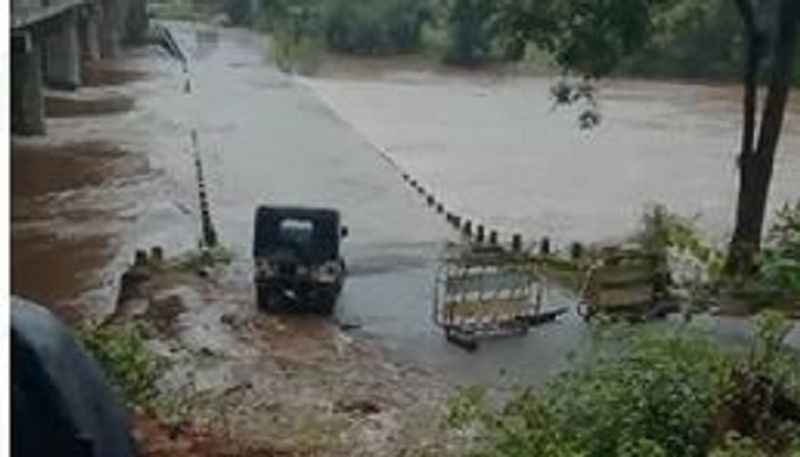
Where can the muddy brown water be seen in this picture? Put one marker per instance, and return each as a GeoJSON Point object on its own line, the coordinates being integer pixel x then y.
{"type": "Point", "coordinates": [60, 242]}
{"type": "Point", "coordinates": [495, 150]}
{"type": "Point", "coordinates": [60, 106]}
{"type": "Point", "coordinates": [488, 147]}
{"type": "Point", "coordinates": [105, 73]}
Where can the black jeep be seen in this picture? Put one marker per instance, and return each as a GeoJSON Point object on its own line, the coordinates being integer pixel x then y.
{"type": "Point", "coordinates": [296, 254]}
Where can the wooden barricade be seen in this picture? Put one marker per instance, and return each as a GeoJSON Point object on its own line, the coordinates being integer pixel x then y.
{"type": "Point", "coordinates": [631, 283]}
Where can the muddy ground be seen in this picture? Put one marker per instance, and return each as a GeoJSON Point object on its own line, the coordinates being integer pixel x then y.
{"type": "Point", "coordinates": [273, 384]}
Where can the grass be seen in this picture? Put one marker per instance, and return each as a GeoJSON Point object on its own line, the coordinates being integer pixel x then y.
{"type": "Point", "coordinates": [202, 258]}
{"type": "Point", "coordinates": [131, 367]}
{"type": "Point", "coordinates": [303, 56]}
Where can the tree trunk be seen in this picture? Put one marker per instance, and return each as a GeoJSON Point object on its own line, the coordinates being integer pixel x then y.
{"type": "Point", "coordinates": [737, 258]}
{"type": "Point", "coordinates": [756, 165]}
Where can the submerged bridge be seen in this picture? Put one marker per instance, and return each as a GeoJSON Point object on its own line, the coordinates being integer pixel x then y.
{"type": "Point", "coordinates": [51, 41]}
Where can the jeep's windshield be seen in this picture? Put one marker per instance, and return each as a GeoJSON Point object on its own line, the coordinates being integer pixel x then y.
{"type": "Point", "coordinates": [311, 237]}
{"type": "Point", "coordinates": [295, 232]}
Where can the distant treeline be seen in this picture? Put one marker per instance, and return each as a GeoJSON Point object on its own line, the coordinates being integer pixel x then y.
{"type": "Point", "coordinates": [691, 39]}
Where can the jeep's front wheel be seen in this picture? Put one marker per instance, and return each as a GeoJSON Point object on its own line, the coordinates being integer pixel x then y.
{"type": "Point", "coordinates": [264, 297]}
{"type": "Point", "coordinates": [326, 302]}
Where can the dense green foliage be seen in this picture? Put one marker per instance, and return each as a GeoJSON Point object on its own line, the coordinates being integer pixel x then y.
{"type": "Point", "coordinates": [780, 260]}
{"type": "Point", "coordinates": [668, 394]}
{"type": "Point", "coordinates": [471, 28]}
{"type": "Point", "coordinates": [373, 27]}
{"type": "Point", "coordinates": [121, 352]}
{"type": "Point", "coordinates": [369, 27]}
{"type": "Point", "coordinates": [635, 37]}
{"type": "Point", "coordinates": [238, 11]}
{"type": "Point", "coordinates": [674, 49]}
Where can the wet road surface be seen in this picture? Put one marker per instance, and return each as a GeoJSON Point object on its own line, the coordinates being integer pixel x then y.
{"type": "Point", "coordinates": [267, 137]}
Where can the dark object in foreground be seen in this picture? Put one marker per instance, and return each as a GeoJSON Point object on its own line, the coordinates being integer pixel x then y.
{"type": "Point", "coordinates": [61, 404]}
{"type": "Point", "coordinates": [296, 255]}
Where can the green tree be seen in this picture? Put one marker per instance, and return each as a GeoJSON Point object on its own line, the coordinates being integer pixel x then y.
{"type": "Point", "coordinates": [470, 31]}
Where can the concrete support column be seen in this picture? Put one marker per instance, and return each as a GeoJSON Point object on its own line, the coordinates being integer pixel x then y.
{"type": "Point", "coordinates": [108, 30]}
{"type": "Point", "coordinates": [63, 54]}
{"type": "Point", "coordinates": [27, 102]}
{"type": "Point", "coordinates": [136, 22]}
{"type": "Point", "coordinates": [90, 36]}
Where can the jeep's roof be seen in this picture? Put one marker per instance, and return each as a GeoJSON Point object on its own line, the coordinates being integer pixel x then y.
{"type": "Point", "coordinates": [324, 243]}
{"type": "Point", "coordinates": [300, 212]}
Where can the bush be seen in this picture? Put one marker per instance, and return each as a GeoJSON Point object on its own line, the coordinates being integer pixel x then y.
{"type": "Point", "coordinates": [374, 27]}
{"type": "Point", "coordinates": [669, 394]}
{"type": "Point", "coordinates": [362, 27]}
{"type": "Point", "coordinates": [780, 260]}
{"type": "Point", "coordinates": [121, 352]}
{"type": "Point", "coordinates": [239, 11]}
{"type": "Point", "coordinates": [470, 32]}
{"type": "Point", "coordinates": [302, 55]}
{"type": "Point", "coordinates": [662, 392]}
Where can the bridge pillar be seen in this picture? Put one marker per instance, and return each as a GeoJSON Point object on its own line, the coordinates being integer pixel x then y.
{"type": "Point", "coordinates": [108, 28]}
{"type": "Point", "coordinates": [90, 36]}
{"type": "Point", "coordinates": [136, 22]}
{"type": "Point", "coordinates": [27, 102]}
{"type": "Point", "coordinates": [63, 54]}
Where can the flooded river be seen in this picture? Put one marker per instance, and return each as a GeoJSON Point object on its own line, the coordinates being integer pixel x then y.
{"type": "Point", "coordinates": [495, 149]}
{"type": "Point", "coordinates": [490, 148]}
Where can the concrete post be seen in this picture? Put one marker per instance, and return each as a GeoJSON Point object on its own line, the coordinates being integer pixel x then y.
{"type": "Point", "coordinates": [544, 246]}
{"type": "Point", "coordinates": [576, 251]}
{"type": "Point", "coordinates": [90, 36]}
{"type": "Point", "coordinates": [480, 234]}
{"type": "Point", "coordinates": [108, 28]}
{"type": "Point", "coordinates": [136, 22]}
{"type": "Point", "coordinates": [27, 102]}
{"type": "Point", "coordinates": [516, 242]}
{"type": "Point", "coordinates": [63, 54]}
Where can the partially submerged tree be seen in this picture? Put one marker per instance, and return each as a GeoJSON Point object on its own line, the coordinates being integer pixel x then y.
{"type": "Point", "coordinates": [590, 39]}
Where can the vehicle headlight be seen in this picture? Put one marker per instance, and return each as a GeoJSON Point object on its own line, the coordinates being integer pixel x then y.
{"type": "Point", "coordinates": [327, 272]}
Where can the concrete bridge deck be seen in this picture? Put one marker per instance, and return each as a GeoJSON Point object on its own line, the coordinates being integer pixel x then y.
{"type": "Point", "coordinates": [26, 16]}
{"type": "Point", "coordinates": [51, 40]}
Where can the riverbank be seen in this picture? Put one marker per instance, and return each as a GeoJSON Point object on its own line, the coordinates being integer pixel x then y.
{"type": "Point", "coordinates": [294, 384]}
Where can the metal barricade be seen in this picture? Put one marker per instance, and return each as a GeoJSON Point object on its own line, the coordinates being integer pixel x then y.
{"type": "Point", "coordinates": [484, 292]}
